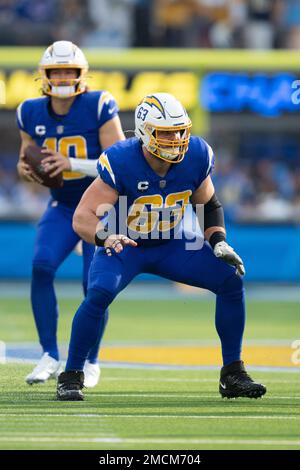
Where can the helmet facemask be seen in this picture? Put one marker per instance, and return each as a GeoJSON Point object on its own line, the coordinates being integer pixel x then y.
{"type": "Point", "coordinates": [169, 150]}
{"type": "Point", "coordinates": [63, 87]}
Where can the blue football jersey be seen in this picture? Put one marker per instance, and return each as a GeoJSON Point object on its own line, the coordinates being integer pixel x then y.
{"type": "Point", "coordinates": [75, 134]}
{"type": "Point", "coordinates": [154, 206]}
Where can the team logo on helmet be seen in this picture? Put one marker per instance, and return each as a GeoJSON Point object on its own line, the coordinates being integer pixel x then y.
{"type": "Point", "coordinates": [153, 101]}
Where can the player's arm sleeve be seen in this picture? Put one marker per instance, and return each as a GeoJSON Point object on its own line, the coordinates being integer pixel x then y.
{"type": "Point", "coordinates": [107, 108]}
{"type": "Point", "coordinates": [108, 173]}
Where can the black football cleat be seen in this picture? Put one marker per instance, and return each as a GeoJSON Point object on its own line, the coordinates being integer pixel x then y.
{"type": "Point", "coordinates": [235, 382]}
{"type": "Point", "coordinates": [69, 386]}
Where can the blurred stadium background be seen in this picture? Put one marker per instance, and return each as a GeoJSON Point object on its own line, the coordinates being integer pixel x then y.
{"type": "Point", "coordinates": [234, 64]}
{"type": "Point", "coordinates": [240, 100]}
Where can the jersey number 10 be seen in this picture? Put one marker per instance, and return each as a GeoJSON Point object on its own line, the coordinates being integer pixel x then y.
{"type": "Point", "coordinates": [63, 146]}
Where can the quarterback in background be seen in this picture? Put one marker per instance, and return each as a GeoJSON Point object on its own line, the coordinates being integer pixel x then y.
{"type": "Point", "coordinates": [74, 125]}
{"type": "Point", "coordinates": [159, 171]}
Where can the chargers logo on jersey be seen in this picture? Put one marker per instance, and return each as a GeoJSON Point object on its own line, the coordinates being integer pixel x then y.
{"type": "Point", "coordinates": [104, 162]}
{"type": "Point", "coordinates": [105, 99]}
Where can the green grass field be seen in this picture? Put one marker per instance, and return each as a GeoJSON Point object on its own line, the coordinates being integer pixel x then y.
{"type": "Point", "coordinates": [146, 408]}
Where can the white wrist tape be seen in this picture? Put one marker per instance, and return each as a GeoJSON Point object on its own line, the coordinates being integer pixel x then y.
{"type": "Point", "coordinates": [87, 167]}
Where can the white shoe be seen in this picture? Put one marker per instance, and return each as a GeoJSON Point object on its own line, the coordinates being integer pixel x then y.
{"type": "Point", "coordinates": [47, 368]}
{"type": "Point", "coordinates": [91, 374]}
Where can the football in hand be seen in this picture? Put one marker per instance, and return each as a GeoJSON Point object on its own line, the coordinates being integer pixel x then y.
{"type": "Point", "coordinates": [34, 158]}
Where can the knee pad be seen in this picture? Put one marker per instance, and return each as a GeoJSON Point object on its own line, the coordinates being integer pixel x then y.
{"type": "Point", "coordinates": [100, 298]}
{"type": "Point", "coordinates": [232, 285]}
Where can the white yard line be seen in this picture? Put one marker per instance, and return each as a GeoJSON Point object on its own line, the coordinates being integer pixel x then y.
{"type": "Point", "coordinates": [145, 416]}
{"type": "Point", "coordinates": [177, 379]}
{"type": "Point", "coordinates": [117, 440]}
{"type": "Point", "coordinates": [173, 395]}
{"type": "Point", "coordinates": [60, 439]}
{"type": "Point", "coordinates": [178, 395]}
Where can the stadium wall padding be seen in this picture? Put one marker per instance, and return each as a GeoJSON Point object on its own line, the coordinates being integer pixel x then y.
{"type": "Point", "coordinates": [270, 253]}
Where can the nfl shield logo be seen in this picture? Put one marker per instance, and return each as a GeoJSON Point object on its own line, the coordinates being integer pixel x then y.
{"type": "Point", "coordinates": [162, 184]}
{"type": "Point", "coordinates": [60, 129]}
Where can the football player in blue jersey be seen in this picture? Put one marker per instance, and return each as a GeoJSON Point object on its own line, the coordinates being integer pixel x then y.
{"type": "Point", "coordinates": [74, 125]}
{"type": "Point", "coordinates": [158, 172]}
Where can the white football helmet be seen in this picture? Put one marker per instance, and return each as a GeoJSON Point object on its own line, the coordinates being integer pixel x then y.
{"type": "Point", "coordinates": [63, 55]}
{"type": "Point", "coordinates": [162, 112]}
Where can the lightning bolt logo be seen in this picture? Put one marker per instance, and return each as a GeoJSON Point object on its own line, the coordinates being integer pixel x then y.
{"type": "Point", "coordinates": [153, 101]}
{"type": "Point", "coordinates": [104, 162]}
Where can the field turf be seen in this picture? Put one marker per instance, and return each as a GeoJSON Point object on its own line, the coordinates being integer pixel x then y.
{"type": "Point", "coordinates": [146, 408]}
